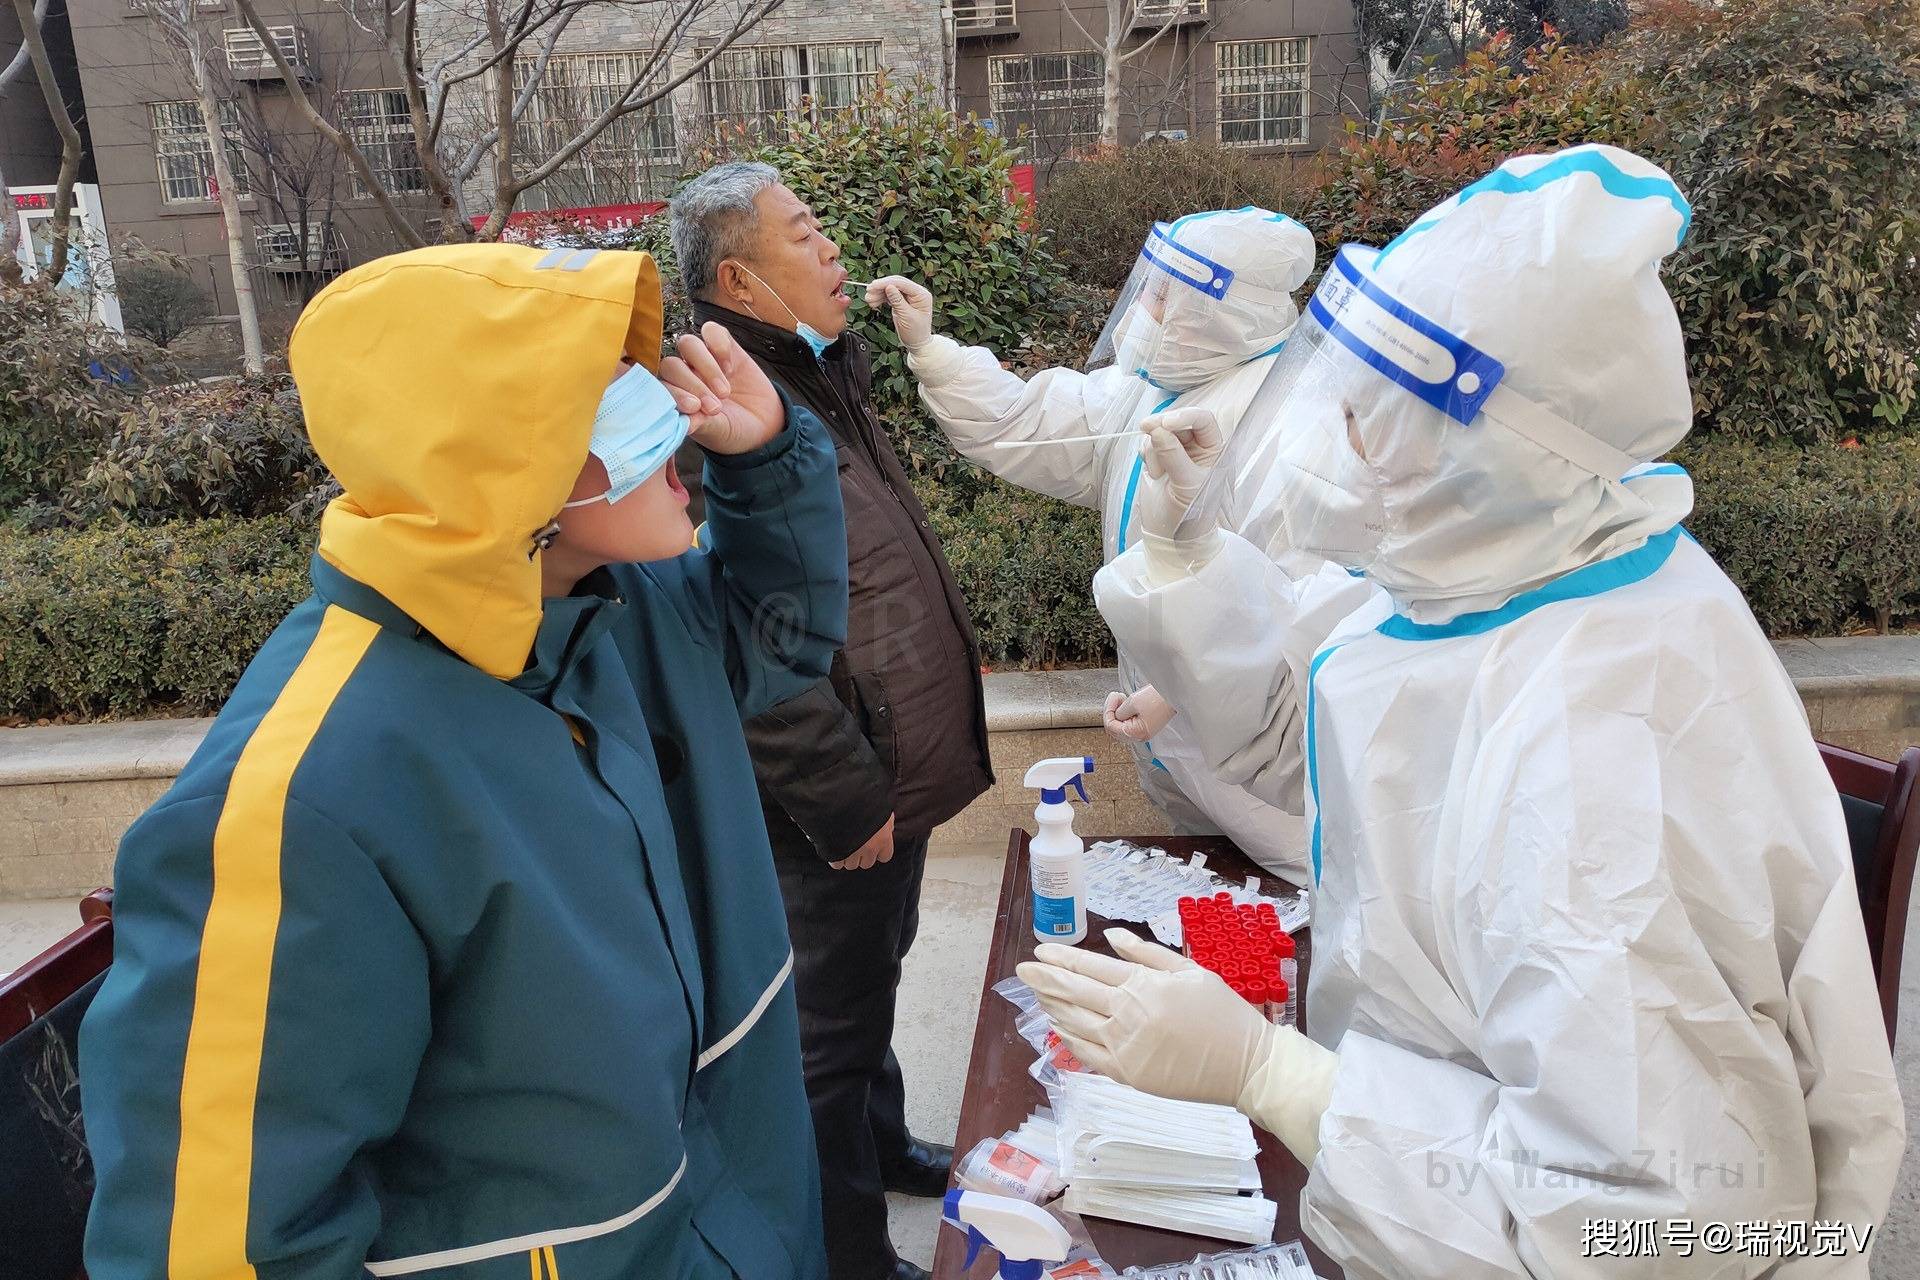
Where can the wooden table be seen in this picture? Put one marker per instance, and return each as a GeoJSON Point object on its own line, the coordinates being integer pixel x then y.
{"type": "Point", "coordinates": [1000, 1094]}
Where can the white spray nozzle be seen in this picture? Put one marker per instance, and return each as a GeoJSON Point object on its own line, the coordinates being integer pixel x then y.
{"type": "Point", "coordinates": [1024, 1235]}
{"type": "Point", "coordinates": [1054, 776]}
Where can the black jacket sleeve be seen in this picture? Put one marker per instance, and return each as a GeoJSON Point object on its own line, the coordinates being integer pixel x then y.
{"type": "Point", "coordinates": [812, 758]}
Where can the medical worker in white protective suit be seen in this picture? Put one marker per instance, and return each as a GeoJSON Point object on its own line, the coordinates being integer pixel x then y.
{"type": "Point", "coordinates": [1586, 946]}
{"type": "Point", "coordinates": [1194, 331]}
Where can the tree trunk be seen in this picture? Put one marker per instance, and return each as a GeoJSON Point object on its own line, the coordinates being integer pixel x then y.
{"type": "Point", "coordinates": [446, 197]}
{"type": "Point", "coordinates": [505, 190]}
{"type": "Point", "coordinates": [1118, 11]}
{"type": "Point", "coordinates": [230, 215]}
{"type": "Point", "coordinates": [36, 47]}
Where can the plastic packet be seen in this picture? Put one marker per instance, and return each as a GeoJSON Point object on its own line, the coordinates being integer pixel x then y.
{"type": "Point", "coordinates": [1017, 993]}
{"type": "Point", "coordinates": [1034, 1026]}
{"type": "Point", "coordinates": [1055, 1064]}
{"type": "Point", "coordinates": [1264, 1262]}
{"type": "Point", "coordinates": [1038, 1136]}
{"type": "Point", "coordinates": [997, 1167]}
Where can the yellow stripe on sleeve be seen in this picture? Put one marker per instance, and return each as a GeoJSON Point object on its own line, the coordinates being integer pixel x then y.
{"type": "Point", "coordinates": [213, 1174]}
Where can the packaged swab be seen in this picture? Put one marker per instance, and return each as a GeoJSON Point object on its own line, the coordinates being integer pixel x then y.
{"type": "Point", "coordinates": [997, 1166]}
{"type": "Point", "coordinates": [1243, 1219]}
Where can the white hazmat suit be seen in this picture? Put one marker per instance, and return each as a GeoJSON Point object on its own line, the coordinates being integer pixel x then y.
{"type": "Point", "coordinates": [1587, 948]}
{"type": "Point", "coordinates": [1221, 283]}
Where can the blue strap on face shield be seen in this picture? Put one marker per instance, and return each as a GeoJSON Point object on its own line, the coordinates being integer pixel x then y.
{"type": "Point", "coordinates": [1170, 256]}
{"type": "Point", "coordinates": [635, 431]}
{"type": "Point", "coordinates": [1445, 371]}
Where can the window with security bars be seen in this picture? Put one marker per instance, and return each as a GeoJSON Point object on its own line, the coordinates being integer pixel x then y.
{"type": "Point", "coordinates": [1051, 98]}
{"type": "Point", "coordinates": [750, 88]}
{"type": "Point", "coordinates": [185, 157]}
{"type": "Point", "coordinates": [381, 126]}
{"type": "Point", "coordinates": [635, 158]}
{"type": "Point", "coordinates": [1262, 87]}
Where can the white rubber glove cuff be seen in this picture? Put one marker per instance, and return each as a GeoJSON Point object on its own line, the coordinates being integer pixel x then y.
{"type": "Point", "coordinates": [1290, 1090]}
{"type": "Point", "coordinates": [1171, 559]}
{"type": "Point", "coordinates": [935, 361]}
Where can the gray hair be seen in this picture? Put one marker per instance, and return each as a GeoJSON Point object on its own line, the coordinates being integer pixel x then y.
{"type": "Point", "coordinates": [714, 219]}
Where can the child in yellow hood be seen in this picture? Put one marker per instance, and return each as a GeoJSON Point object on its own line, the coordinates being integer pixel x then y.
{"type": "Point", "coordinates": [457, 949]}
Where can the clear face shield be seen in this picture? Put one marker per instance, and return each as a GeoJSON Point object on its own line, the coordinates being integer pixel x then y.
{"type": "Point", "coordinates": [1354, 418]}
{"type": "Point", "coordinates": [1171, 294]}
{"type": "Point", "coordinates": [1170, 286]}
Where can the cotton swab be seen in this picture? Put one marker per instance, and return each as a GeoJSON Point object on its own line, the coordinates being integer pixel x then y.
{"type": "Point", "coordinates": [1037, 444]}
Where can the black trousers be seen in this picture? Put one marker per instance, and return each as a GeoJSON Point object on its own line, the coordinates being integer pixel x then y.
{"type": "Point", "coordinates": [851, 930]}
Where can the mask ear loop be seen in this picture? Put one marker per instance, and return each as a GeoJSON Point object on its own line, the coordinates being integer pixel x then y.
{"type": "Point", "coordinates": [770, 289]}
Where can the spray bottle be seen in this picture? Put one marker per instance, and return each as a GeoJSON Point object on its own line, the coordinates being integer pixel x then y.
{"type": "Point", "coordinates": [1025, 1236]}
{"type": "Point", "coordinates": [1057, 857]}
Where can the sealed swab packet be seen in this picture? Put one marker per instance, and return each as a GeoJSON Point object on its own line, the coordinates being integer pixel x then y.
{"type": "Point", "coordinates": [998, 1167]}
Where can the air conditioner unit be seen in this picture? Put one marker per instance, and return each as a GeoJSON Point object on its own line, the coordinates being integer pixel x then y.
{"type": "Point", "coordinates": [248, 59]}
{"type": "Point", "coordinates": [983, 17]}
{"type": "Point", "coordinates": [278, 244]}
{"type": "Point", "coordinates": [1154, 13]}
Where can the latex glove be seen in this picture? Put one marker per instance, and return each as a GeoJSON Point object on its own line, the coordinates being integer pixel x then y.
{"type": "Point", "coordinates": [1136, 717]}
{"type": "Point", "coordinates": [1290, 1090]}
{"type": "Point", "coordinates": [1180, 447]}
{"type": "Point", "coordinates": [911, 307]}
{"type": "Point", "coordinates": [1153, 1019]}
{"type": "Point", "coordinates": [732, 405]}
{"type": "Point", "coordinates": [1158, 1022]}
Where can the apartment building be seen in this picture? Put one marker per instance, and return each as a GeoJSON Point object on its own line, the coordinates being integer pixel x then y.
{"type": "Point", "coordinates": [808, 55]}
{"type": "Point", "coordinates": [311, 216]}
{"type": "Point", "coordinates": [307, 214]}
{"type": "Point", "coordinates": [1274, 76]}
{"type": "Point", "coordinates": [1266, 74]}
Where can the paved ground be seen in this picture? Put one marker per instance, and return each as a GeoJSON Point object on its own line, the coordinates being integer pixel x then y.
{"type": "Point", "coordinates": [938, 1000]}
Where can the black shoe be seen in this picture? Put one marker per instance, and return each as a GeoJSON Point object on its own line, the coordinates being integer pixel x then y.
{"type": "Point", "coordinates": [904, 1270]}
{"type": "Point", "coordinates": [921, 1170]}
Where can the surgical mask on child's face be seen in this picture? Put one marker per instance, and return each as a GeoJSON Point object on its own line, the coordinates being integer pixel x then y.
{"type": "Point", "coordinates": [815, 339]}
{"type": "Point", "coordinates": [634, 433]}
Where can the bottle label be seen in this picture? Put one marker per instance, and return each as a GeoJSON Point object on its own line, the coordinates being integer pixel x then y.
{"type": "Point", "coordinates": [1053, 915]}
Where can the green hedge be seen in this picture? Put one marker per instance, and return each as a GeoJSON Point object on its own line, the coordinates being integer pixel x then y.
{"type": "Point", "coordinates": [1026, 565]}
{"type": "Point", "coordinates": [123, 620]}
{"type": "Point", "coordinates": [126, 620]}
{"type": "Point", "coordinates": [1823, 539]}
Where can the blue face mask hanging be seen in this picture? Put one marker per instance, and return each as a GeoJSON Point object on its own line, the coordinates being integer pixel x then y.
{"type": "Point", "coordinates": [634, 433]}
{"type": "Point", "coordinates": [807, 333]}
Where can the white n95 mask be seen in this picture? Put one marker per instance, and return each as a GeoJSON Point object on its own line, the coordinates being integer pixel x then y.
{"type": "Point", "coordinates": [635, 431]}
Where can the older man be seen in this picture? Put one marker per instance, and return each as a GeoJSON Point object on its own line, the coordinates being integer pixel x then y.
{"type": "Point", "coordinates": [855, 773]}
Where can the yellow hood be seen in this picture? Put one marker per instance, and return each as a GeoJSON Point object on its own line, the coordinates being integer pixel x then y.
{"type": "Point", "coordinates": [451, 391]}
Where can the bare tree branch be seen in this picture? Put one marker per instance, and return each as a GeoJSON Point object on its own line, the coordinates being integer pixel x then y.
{"type": "Point", "coordinates": [1097, 42]}
{"type": "Point", "coordinates": [628, 104]}
{"type": "Point", "coordinates": [297, 92]}
{"type": "Point", "coordinates": [21, 57]}
{"type": "Point", "coordinates": [11, 271]}
{"type": "Point", "coordinates": [484, 143]}
{"type": "Point", "coordinates": [36, 48]}
{"type": "Point", "coordinates": [445, 193]}
{"type": "Point", "coordinates": [1173, 16]}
